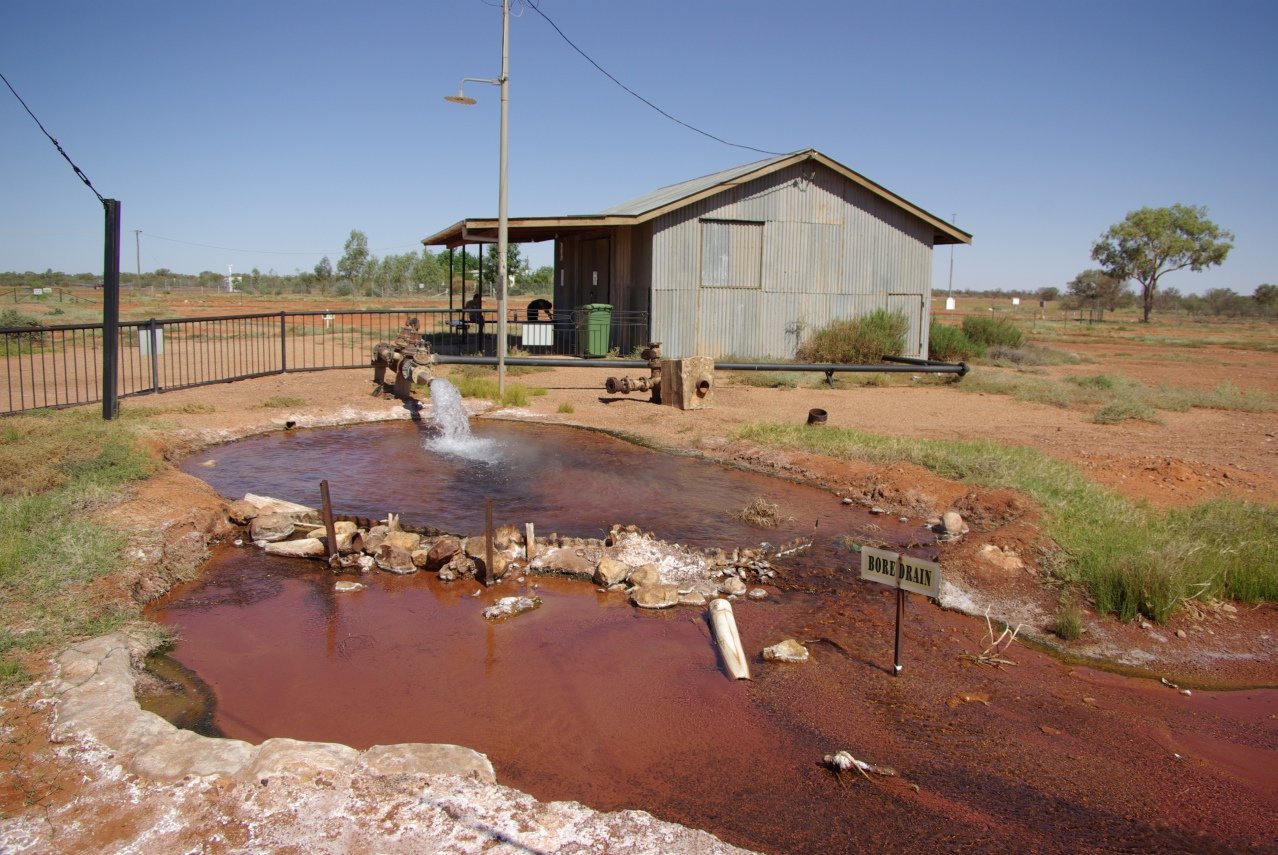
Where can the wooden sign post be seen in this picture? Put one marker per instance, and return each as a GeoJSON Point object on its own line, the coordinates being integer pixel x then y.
{"type": "Point", "coordinates": [905, 573]}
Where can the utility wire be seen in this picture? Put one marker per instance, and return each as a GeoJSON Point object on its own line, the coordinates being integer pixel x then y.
{"type": "Point", "coordinates": [56, 144]}
{"type": "Point", "coordinates": [605, 73]}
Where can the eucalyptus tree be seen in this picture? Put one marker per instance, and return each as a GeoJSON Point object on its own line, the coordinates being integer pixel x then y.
{"type": "Point", "coordinates": [357, 264]}
{"type": "Point", "coordinates": [1152, 242]}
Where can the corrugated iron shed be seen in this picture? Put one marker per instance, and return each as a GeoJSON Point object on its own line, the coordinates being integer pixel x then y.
{"type": "Point", "coordinates": [744, 261]}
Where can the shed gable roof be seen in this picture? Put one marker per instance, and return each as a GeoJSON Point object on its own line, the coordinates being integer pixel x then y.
{"type": "Point", "coordinates": [675, 196]}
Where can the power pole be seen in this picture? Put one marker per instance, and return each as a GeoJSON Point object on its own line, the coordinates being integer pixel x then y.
{"type": "Point", "coordinates": [137, 248]}
{"type": "Point", "coordinates": [949, 289]}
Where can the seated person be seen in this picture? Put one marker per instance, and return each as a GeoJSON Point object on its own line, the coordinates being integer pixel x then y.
{"type": "Point", "coordinates": [540, 305]}
{"type": "Point", "coordinates": [474, 313]}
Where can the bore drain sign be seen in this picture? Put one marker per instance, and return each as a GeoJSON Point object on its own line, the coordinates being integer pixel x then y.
{"type": "Point", "coordinates": [904, 573]}
{"type": "Point", "coordinates": [901, 571]}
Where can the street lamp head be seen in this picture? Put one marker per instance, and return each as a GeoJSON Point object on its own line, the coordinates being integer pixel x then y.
{"type": "Point", "coordinates": [460, 98]}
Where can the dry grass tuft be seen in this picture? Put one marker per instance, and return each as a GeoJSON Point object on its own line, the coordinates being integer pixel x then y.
{"type": "Point", "coordinates": [761, 513]}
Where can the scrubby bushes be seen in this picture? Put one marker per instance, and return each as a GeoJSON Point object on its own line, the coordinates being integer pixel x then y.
{"type": "Point", "coordinates": [989, 331]}
{"type": "Point", "coordinates": [14, 318]}
{"type": "Point", "coordinates": [951, 344]}
{"type": "Point", "coordinates": [857, 340]}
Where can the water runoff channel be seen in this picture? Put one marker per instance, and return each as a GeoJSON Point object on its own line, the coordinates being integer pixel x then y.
{"type": "Point", "coordinates": [585, 698]}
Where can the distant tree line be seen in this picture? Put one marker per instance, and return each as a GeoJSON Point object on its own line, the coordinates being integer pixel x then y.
{"type": "Point", "coordinates": [1148, 244]}
{"type": "Point", "coordinates": [1094, 289]}
{"type": "Point", "coordinates": [358, 272]}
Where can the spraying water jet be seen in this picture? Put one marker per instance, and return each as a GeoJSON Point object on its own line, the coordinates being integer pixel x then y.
{"type": "Point", "coordinates": [455, 437]}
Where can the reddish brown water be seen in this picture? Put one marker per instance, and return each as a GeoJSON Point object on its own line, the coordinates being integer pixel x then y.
{"type": "Point", "coordinates": [591, 700]}
{"type": "Point", "coordinates": [570, 481]}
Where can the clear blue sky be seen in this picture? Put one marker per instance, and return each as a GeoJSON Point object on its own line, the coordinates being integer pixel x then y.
{"type": "Point", "coordinates": [280, 126]}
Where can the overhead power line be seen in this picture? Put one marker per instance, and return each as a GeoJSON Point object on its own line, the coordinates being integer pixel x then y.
{"type": "Point", "coordinates": [605, 73]}
{"type": "Point", "coordinates": [56, 144]}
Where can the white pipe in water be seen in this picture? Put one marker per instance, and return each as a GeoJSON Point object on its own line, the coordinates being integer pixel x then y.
{"type": "Point", "coordinates": [725, 633]}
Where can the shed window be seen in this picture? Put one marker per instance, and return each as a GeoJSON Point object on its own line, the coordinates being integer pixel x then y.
{"type": "Point", "coordinates": [731, 254]}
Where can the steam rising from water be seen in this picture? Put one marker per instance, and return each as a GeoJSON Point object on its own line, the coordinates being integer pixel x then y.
{"type": "Point", "coordinates": [454, 436]}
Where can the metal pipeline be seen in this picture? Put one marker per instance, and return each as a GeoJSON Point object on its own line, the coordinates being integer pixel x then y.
{"type": "Point", "coordinates": [544, 361]}
{"type": "Point", "coordinates": [836, 367]}
{"type": "Point", "coordinates": [919, 367]}
{"type": "Point", "coordinates": [914, 360]}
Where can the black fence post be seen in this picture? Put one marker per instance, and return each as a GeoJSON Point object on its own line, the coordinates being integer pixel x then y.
{"type": "Point", "coordinates": [283, 344]}
{"type": "Point", "coordinates": [111, 310]}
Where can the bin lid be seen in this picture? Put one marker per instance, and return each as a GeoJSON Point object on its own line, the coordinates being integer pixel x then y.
{"type": "Point", "coordinates": [595, 307]}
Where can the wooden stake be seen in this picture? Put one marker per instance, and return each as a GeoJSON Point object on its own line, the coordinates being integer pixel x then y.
{"type": "Point", "coordinates": [530, 542]}
{"type": "Point", "coordinates": [326, 512]}
{"type": "Point", "coordinates": [488, 542]}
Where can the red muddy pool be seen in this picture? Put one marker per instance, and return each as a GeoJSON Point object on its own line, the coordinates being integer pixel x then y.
{"type": "Point", "coordinates": [589, 699]}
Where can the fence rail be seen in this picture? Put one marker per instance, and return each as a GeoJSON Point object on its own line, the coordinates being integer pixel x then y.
{"type": "Point", "coordinates": [43, 295]}
{"type": "Point", "coordinates": [61, 365]}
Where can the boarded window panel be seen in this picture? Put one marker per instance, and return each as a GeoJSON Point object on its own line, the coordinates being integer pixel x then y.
{"type": "Point", "coordinates": [731, 254]}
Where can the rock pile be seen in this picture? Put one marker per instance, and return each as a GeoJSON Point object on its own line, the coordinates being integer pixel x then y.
{"type": "Point", "coordinates": [657, 574]}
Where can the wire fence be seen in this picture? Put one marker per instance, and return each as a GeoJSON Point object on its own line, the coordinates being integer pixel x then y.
{"type": "Point", "coordinates": [42, 295]}
{"type": "Point", "coordinates": [61, 365]}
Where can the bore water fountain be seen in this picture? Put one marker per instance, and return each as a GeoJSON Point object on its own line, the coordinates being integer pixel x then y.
{"type": "Point", "coordinates": [455, 437]}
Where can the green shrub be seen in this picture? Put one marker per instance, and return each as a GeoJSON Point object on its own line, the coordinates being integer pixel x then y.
{"type": "Point", "coordinates": [566, 407]}
{"type": "Point", "coordinates": [951, 344]}
{"type": "Point", "coordinates": [14, 318]}
{"type": "Point", "coordinates": [481, 384]}
{"type": "Point", "coordinates": [515, 396]}
{"type": "Point", "coordinates": [857, 340]}
{"type": "Point", "coordinates": [991, 331]}
{"type": "Point", "coordinates": [1069, 621]}
{"type": "Point", "coordinates": [1126, 410]}
{"type": "Point", "coordinates": [471, 386]}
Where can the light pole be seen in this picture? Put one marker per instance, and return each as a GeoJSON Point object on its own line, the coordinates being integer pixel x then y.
{"type": "Point", "coordinates": [502, 222]}
{"type": "Point", "coordinates": [949, 289]}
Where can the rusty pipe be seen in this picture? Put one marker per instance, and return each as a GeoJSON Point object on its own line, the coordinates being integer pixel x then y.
{"type": "Point", "coordinates": [626, 385]}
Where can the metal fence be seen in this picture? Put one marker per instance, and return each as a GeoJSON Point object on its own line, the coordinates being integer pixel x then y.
{"type": "Point", "coordinates": [61, 365]}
